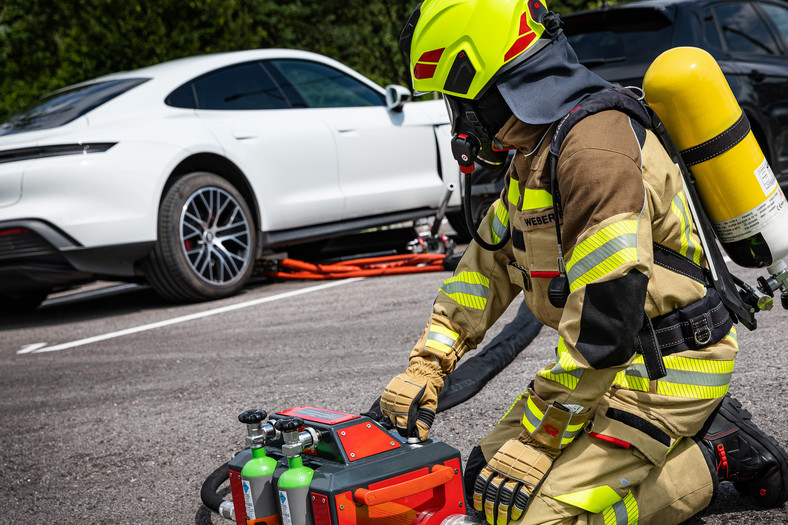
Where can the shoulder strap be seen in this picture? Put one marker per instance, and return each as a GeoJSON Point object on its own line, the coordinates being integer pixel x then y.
{"type": "Point", "coordinates": [629, 103]}
{"type": "Point", "coordinates": [619, 99]}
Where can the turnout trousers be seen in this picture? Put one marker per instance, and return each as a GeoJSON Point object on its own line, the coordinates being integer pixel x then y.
{"type": "Point", "coordinates": [597, 481]}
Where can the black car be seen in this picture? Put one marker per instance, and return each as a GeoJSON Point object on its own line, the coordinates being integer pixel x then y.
{"type": "Point", "coordinates": [748, 39]}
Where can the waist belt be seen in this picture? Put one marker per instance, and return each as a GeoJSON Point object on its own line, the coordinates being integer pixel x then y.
{"type": "Point", "coordinates": [695, 326]}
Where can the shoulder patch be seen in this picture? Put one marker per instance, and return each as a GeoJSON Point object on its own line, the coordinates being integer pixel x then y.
{"type": "Point", "coordinates": [610, 321]}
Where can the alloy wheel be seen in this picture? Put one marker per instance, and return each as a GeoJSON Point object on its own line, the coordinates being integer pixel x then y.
{"type": "Point", "coordinates": [215, 236]}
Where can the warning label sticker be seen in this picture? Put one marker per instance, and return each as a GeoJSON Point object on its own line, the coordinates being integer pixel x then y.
{"type": "Point", "coordinates": [248, 500]}
{"type": "Point", "coordinates": [765, 177]}
{"type": "Point", "coordinates": [774, 208]}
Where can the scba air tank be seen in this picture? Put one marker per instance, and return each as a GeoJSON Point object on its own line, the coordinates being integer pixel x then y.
{"type": "Point", "coordinates": [737, 187]}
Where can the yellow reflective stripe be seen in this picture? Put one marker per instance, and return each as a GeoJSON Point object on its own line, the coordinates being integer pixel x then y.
{"type": "Point", "coordinates": [532, 417]}
{"type": "Point", "coordinates": [565, 371]}
{"type": "Point", "coordinates": [469, 289]}
{"type": "Point", "coordinates": [608, 249]}
{"type": "Point", "coordinates": [571, 433]}
{"type": "Point", "coordinates": [688, 248]}
{"type": "Point", "coordinates": [593, 500]}
{"type": "Point", "coordinates": [733, 336]}
{"type": "Point", "coordinates": [441, 338]}
{"type": "Point", "coordinates": [670, 449]}
{"type": "Point", "coordinates": [624, 380]}
{"type": "Point", "coordinates": [536, 199]}
{"type": "Point", "coordinates": [514, 192]}
{"type": "Point", "coordinates": [690, 391]}
{"type": "Point", "coordinates": [695, 378]}
{"type": "Point", "coordinates": [624, 512]}
{"type": "Point", "coordinates": [500, 222]}
{"type": "Point", "coordinates": [687, 377]}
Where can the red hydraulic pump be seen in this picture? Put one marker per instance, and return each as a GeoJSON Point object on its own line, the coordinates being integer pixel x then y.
{"type": "Point", "coordinates": [334, 468]}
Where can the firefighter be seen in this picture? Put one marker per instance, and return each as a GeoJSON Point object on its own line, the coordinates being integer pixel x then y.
{"type": "Point", "coordinates": [631, 423]}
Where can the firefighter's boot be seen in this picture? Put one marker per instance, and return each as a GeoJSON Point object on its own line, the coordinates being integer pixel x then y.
{"type": "Point", "coordinates": [740, 452]}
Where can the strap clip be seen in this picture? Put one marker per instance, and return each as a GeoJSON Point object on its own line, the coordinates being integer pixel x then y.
{"type": "Point", "coordinates": [701, 329]}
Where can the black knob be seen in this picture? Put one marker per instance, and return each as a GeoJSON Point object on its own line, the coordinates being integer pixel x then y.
{"type": "Point", "coordinates": [289, 424]}
{"type": "Point", "coordinates": [784, 301]}
{"type": "Point", "coordinates": [250, 417]}
{"type": "Point", "coordinates": [765, 287]}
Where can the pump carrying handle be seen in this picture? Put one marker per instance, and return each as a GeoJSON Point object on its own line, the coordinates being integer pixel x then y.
{"type": "Point", "coordinates": [439, 475]}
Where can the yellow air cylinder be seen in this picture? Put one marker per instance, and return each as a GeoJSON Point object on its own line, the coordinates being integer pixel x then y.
{"type": "Point", "coordinates": [736, 185]}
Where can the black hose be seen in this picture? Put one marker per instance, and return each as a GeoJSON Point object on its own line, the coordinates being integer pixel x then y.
{"type": "Point", "coordinates": [468, 212]}
{"type": "Point", "coordinates": [471, 376]}
{"type": "Point", "coordinates": [210, 487]}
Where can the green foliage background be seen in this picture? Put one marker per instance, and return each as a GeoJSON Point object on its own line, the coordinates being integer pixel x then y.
{"type": "Point", "coordinates": [49, 44]}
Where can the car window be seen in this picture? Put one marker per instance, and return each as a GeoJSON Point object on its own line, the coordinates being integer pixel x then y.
{"type": "Point", "coordinates": [322, 86]}
{"type": "Point", "coordinates": [743, 30]}
{"type": "Point", "coordinates": [244, 86]}
{"type": "Point", "coordinates": [183, 97]}
{"type": "Point", "coordinates": [61, 107]}
{"type": "Point", "coordinates": [779, 16]}
{"type": "Point", "coordinates": [627, 35]}
{"type": "Point", "coordinates": [711, 32]}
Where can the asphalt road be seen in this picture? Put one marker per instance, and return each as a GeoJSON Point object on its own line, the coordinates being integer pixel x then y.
{"type": "Point", "coordinates": [115, 406]}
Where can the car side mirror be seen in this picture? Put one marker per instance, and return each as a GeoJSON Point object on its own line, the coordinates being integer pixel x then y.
{"type": "Point", "coordinates": [396, 96]}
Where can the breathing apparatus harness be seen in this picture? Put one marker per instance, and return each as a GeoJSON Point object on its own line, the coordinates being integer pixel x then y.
{"type": "Point", "coordinates": [695, 326]}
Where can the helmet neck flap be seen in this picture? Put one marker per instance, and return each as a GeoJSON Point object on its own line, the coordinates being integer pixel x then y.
{"type": "Point", "coordinates": [547, 86]}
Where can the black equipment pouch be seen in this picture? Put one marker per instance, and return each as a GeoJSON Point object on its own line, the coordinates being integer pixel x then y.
{"type": "Point", "coordinates": [695, 326]}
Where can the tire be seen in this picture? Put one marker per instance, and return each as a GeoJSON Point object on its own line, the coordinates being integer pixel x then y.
{"type": "Point", "coordinates": [205, 241]}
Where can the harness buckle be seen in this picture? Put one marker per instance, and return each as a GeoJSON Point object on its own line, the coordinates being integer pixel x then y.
{"type": "Point", "coordinates": [701, 329]}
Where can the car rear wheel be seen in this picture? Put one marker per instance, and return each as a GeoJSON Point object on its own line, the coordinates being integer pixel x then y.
{"type": "Point", "coordinates": [205, 241]}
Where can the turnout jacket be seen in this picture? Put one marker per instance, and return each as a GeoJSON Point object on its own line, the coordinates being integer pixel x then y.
{"type": "Point", "coordinates": [620, 193]}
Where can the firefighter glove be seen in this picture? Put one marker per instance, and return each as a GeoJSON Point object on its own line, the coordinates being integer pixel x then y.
{"type": "Point", "coordinates": [411, 399]}
{"type": "Point", "coordinates": [506, 485]}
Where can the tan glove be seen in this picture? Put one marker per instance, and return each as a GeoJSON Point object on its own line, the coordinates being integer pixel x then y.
{"type": "Point", "coordinates": [505, 486]}
{"type": "Point", "coordinates": [411, 399]}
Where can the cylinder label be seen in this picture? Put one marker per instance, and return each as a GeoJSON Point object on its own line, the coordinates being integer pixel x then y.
{"type": "Point", "coordinates": [287, 519]}
{"type": "Point", "coordinates": [774, 208]}
{"type": "Point", "coordinates": [248, 500]}
{"type": "Point", "coordinates": [765, 177]}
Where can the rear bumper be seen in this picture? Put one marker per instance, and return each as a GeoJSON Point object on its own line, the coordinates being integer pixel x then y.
{"type": "Point", "coordinates": [35, 255]}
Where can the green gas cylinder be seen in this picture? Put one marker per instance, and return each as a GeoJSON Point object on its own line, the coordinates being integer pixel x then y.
{"type": "Point", "coordinates": [293, 484]}
{"type": "Point", "coordinates": [257, 475]}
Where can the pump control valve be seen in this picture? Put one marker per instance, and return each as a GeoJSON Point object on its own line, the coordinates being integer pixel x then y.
{"type": "Point", "coordinates": [778, 280]}
{"type": "Point", "coordinates": [296, 442]}
{"type": "Point", "coordinates": [258, 427]}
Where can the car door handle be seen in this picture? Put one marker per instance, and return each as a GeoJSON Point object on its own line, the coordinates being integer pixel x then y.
{"type": "Point", "coordinates": [244, 134]}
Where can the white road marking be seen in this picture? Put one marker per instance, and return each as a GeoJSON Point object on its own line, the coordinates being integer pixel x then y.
{"type": "Point", "coordinates": [41, 347]}
{"type": "Point", "coordinates": [31, 348]}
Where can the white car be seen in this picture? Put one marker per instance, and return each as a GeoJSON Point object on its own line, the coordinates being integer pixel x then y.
{"type": "Point", "coordinates": [186, 172]}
